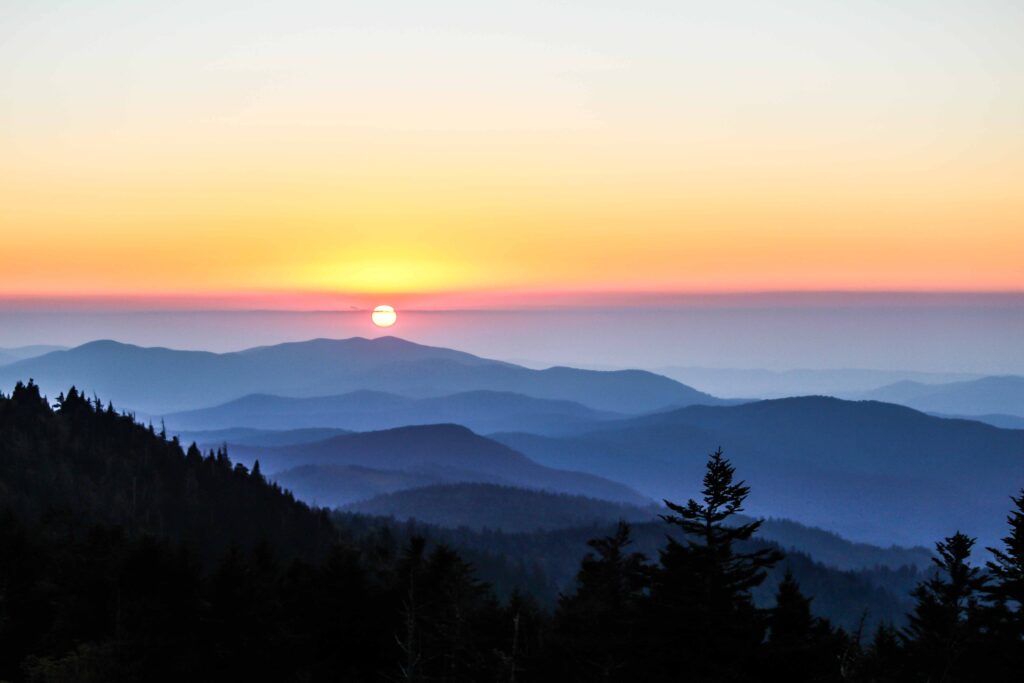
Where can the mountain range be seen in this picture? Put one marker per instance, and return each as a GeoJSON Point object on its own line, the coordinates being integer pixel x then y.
{"type": "Point", "coordinates": [993, 396]}
{"type": "Point", "coordinates": [874, 472]}
{"type": "Point", "coordinates": [12, 355]}
{"type": "Point", "coordinates": [481, 411]}
{"type": "Point", "coordinates": [157, 381]}
{"type": "Point", "coordinates": [870, 471]}
{"type": "Point", "coordinates": [367, 463]}
{"type": "Point", "coordinates": [763, 383]}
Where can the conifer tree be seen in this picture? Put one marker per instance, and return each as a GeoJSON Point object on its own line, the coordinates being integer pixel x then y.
{"type": "Point", "coordinates": [600, 621]}
{"type": "Point", "coordinates": [790, 619]}
{"type": "Point", "coordinates": [705, 615]}
{"type": "Point", "coordinates": [1005, 617]}
{"type": "Point", "coordinates": [944, 626]}
{"type": "Point", "coordinates": [883, 661]}
{"type": "Point", "coordinates": [800, 647]}
{"type": "Point", "coordinates": [1007, 565]}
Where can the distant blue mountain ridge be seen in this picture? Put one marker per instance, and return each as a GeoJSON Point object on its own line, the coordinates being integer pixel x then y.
{"type": "Point", "coordinates": [157, 381]}
{"type": "Point", "coordinates": [481, 411]}
{"type": "Point", "coordinates": [871, 471]}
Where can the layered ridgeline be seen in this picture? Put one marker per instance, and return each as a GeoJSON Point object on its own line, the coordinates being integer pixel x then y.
{"type": "Point", "coordinates": [874, 472]}
{"type": "Point", "coordinates": [870, 471]}
{"type": "Point", "coordinates": [350, 467]}
{"type": "Point", "coordinates": [839, 382]}
{"type": "Point", "coordinates": [481, 411]}
{"type": "Point", "coordinates": [13, 355]}
{"type": "Point", "coordinates": [989, 398]}
{"type": "Point", "coordinates": [446, 475]}
{"type": "Point", "coordinates": [156, 381]}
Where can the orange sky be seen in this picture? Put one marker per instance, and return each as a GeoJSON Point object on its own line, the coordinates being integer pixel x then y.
{"type": "Point", "coordinates": [360, 154]}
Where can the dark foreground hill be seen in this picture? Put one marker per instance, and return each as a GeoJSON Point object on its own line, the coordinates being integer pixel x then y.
{"type": "Point", "coordinates": [548, 560]}
{"type": "Point", "coordinates": [870, 471]}
{"type": "Point", "coordinates": [157, 380]}
{"type": "Point", "coordinates": [87, 467]}
{"type": "Point", "coordinates": [125, 558]}
{"type": "Point", "coordinates": [433, 453]}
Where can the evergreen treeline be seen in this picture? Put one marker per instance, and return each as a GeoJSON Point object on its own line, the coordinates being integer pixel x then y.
{"type": "Point", "coordinates": [544, 564]}
{"type": "Point", "coordinates": [124, 557]}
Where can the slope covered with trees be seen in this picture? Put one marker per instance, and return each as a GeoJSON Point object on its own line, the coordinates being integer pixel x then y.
{"type": "Point", "coordinates": [83, 464]}
{"type": "Point", "coordinates": [124, 557]}
{"type": "Point", "coordinates": [489, 506]}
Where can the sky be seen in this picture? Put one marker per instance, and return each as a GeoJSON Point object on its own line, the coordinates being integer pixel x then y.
{"type": "Point", "coordinates": [245, 149]}
{"type": "Point", "coordinates": [611, 160]}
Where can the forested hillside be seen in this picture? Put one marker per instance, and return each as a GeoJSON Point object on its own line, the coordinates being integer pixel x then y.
{"type": "Point", "coordinates": [544, 565]}
{"type": "Point", "coordinates": [83, 464]}
{"type": "Point", "coordinates": [124, 557]}
{"type": "Point", "coordinates": [444, 453]}
{"type": "Point", "coordinates": [483, 506]}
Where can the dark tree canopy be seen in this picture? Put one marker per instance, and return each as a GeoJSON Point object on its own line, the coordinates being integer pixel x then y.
{"type": "Point", "coordinates": [945, 624]}
{"type": "Point", "coordinates": [126, 557]}
{"type": "Point", "coordinates": [701, 597]}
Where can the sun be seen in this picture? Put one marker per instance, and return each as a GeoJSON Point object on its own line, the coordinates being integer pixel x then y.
{"type": "Point", "coordinates": [384, 316]}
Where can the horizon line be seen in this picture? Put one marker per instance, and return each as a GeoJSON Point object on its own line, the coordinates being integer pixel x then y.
{"type": "Point", "coordinates": [491, 301]}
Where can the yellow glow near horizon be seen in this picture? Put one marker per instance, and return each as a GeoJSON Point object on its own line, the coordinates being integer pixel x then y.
{"type": "Point", "coordinates": [225, 147]}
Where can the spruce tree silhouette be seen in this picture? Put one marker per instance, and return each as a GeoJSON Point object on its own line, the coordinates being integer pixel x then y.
{"type": "Point", "coordinates": [800, 647]}
{"type": "Point", "coordinates": [1005, 618]}
{"type": "Point", "coordinates": [1007, 565]}
{"type": "Point", "coordinates": [884, 660]}
{"type": "Point", "coordinates": [704, 616]}
{"type": "Point", "coordinates": [600, 622]}
{"type": "Point", "coordinates": [945, 624]}
{"type": "Point", "coordinates": [790, 619]}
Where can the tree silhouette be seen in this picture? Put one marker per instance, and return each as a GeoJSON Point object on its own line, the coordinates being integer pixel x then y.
{"type": "Point", "coordinates": [705, 615]}
{"type": "Point", "coordinates": [945, 623]}
{"type": "Point", "coordinates": [600, 621]}
{"type": "Point", "coordinates": [800, 647]}
{"type": "Point", "coordinates": [1007, 565]}
{"type": "Point", "coordinates": [884, 660]}
{"type": "Point", "coordinates": [1006, 591]}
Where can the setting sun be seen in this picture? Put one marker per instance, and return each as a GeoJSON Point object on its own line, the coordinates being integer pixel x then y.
{"type": "Point", "coordinates": [384, 316]}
